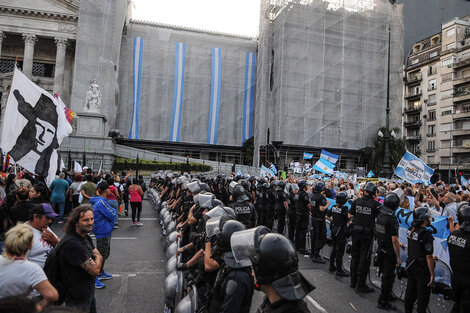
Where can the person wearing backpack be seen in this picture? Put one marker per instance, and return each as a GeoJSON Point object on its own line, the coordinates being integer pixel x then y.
{"type": "Point", "coordinates": [79, 262]}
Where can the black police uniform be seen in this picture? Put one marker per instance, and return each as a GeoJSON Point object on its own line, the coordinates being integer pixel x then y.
{"type": "Point", "coordinates": [291, 216]}
{"type": "Point", "coordinates": [318, 231]}
{"type": "Point", "coordinates": [301, 211]}
{"type": "Point", "coordinates": [459, 251]}
{"type": "Point", "coordinates": [364, 210]}
{"type": "Point", "coordinates": [339, 215]}
{"type": "Point", "coordinates": [420, 244]}
{"type": "Point", "coordinates": [281, 197]}
{"type": "Point", "coordinates": [271, 199]}
{"type": "Point", "coordinates": [233, 291]}
{"type": "Point", "coordinates": [245, 213]}
{"type": "Point", "coordinates": [283, 306]}
{"type": "Point", "coordinates": [386, 226]}
{"type": "Point", "coordinates": [261, 201]}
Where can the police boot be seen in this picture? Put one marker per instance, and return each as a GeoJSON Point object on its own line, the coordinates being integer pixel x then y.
{"type": "Point", "coordinates": [332, 267]}
{"type": "Point", "coordinates": [353, 281]}
{"type": "Point", "coordinates": [341, 273]}
{"type": "Point", "coordinates": [386, 306]}
{"type": "Point", "coordinates": [318, 259]}
{"type": "Point", "coordinates": [364, 289]}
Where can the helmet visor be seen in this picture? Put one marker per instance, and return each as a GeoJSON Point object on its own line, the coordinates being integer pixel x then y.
{"type": "Point", "coordinates": [194, 187]}
{"type": "Point", "coordinates": [213, 226]}
{"type": "Point", "coordinates": [205, 200]}
{"type": "Point", "coordinates": [245, 243]}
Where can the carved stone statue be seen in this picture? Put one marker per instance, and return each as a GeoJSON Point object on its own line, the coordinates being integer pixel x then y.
{"type": "Point", "coordinates": [93, 98]}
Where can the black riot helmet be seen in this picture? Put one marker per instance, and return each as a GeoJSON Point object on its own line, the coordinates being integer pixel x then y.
{"type": "Point", "coordinates": [205, 187]}
{"type": "Point", "coordinates": [273, 184]}
{"type": "Point", "coordinates": [261, 180]}
{"type": "Point", "coordinates": [392, 201]}
{"type": "Point", "coordinates": [281, 184]}
{"type": "Point", "coordinates": [463, 215]}
{"type": "Point", "coordinates": [341, 198]}
{"type": "Point", "coordinates": [244, 183]}
{"type": "Point", "coordinates": [371, 188]}
{"type": "Point", "coordinates": [239, 193]}
{"type": "Point", "coordinates": [319, 187]}
{"type": "Point", "coordinates": [274, 260]}
{"type": "Point", "coordinates": [223, 239]}
{"type": "Point", "coordinates": [420, 215]}
{"type": "Point", "coordinates": [302, 184]}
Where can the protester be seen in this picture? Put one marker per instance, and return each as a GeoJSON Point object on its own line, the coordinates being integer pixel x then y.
{"type": "Point", "coordinates": [59, 189]}
{"type": "Point", "coordinates": [135, 197]}
{"type": "Point", "coordinates": [20, 212]}
{"type": "Point", "coordinates": [88, 189]}
{"type": "Point", "coordinates": [22, 182]}
{"type": "Point", "coordinates": [39, 193]}
{"type": "Point", "coordinates": [74, 191]}
{"type": "Point", "coordinates": [18, 275]}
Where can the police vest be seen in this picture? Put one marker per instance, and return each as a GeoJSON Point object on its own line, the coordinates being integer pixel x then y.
{"type": "Point", "coordinates": [339, 218]}
{"type": "Point", "coordinates": [384, 238]}
{"type": "Point", "coordinates": [301, 204]}
{"type": "Point", "coordinates": [281, 196]}
{"type": "Point", "coordinates": [317, 200]}
{"type": "Point", "coordinates": [364, 216]}
{"type": "Point", "coordinates": [244, 211]}
{"type": "Point", "coordinates": [459, 251]}
{"type": "Point", "coordinates": [261, 195]}
{"type": "Point", "coordinates": [416, 248]}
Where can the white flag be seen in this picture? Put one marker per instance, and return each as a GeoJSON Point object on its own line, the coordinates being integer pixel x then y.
{"type": "Point", "coordinates": [101, 164]}
{"type": "Point", "coordinates": [77, 168]}
{"type": "Point", "coordinates": [34, 126]}
{"type": "Point", "coordinates": [62, 165]}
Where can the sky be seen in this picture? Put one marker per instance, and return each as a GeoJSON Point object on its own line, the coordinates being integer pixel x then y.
{"type": "Point", "coordinates": [240, 17]}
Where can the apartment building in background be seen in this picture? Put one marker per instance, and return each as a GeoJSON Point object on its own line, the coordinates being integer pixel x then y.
{"type": "Point", "coordinates": [436, 106]}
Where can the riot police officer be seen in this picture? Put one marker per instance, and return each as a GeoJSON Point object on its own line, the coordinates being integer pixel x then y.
{"type": "Point", "coordinates": [275, 267]}
{"type": "Point", "coordinates": [245, 210]}
{"type": "Point", "coordinates": [338, 216]}
{"type": "Point", "coordinates": [261, 200]}
{"type": "Point", "coordinates": [459, 251]}
{"type": "Point", "coordinates": [388, 251]}
{"type": "Point", "coordinates": [293, 197]}
{"type": "Point", "coordinates": [234, 286]}
{"type": "Point", "coordinates": [420, 262]}
{"type": "Point", "coordinates": [270, 204]}
{"type": "Point", "coordinates": [364, 210]}
{"type": "Point", "coordinates": [281, 205]}
{"type": "Point", "coordinates": [302, 210]}
{"type": "Point", "coordinates": [318, 232]}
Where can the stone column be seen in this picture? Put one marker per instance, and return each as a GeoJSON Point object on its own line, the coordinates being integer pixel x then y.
{"type": "Point", "coordinates": [2, 36]}
{"type": "Point", "coordinates": [29, 42]}
{"type": "Point", "coordinates": [61, 44]}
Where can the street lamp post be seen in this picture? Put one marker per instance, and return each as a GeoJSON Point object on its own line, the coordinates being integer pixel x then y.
{"type": "Point", "coordinates": [386, 167]}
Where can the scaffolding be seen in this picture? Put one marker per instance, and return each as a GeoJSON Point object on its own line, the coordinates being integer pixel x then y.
{"type": "Point", "coordinates": [322, 72]}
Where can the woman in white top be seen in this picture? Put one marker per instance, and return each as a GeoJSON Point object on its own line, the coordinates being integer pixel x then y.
{"type": "Point", "coordinates": [18, 276]}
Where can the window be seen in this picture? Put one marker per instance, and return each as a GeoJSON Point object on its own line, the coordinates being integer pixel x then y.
{"type": "Point", "coordinates": [446, 111]}
{"type": "Point", "coordinates": [432, 84]}
{"type": "Point", "coordinates": [450, 32]}
{"type": "Point", "coordinates": [446, 94]}
{"type": "Point", "coordinates": [415, 61]}
{"type": "Point", "coordinates": [447, 77]}
{"type": "Point", "coordinates": [450, 46]}
{"type": "Point", "coordinates": [433, 54]}
{"type": "Point", "coordinates": [431, 145]}
{"type": "Point", "coordinates": [431, 99]}
{"type": "Point", "coordinates": [416, 104]}
{"type": "Point", "coordinates": [448, 61]}
{"type": "Point", "coordinates": [445, 127]}
{"type": "Point", "coordinates": [431, 129]}
{"type": "Point", "coordinates": [432, 116]}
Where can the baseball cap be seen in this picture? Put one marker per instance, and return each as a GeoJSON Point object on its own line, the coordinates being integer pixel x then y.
{"type": "Point", "coordinates": [44, 209]}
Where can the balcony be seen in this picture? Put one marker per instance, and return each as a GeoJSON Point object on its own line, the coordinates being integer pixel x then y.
{"type": "Point", "coordinates": [431, 150]}
{"type": "Point", "coordinates": [414, 96]}
{"type": "Point", "coordinates": [413, 138]}
{"type": "Point", "coordinates": [412, 109]}
{"type": "Point", "coordinates": [460, 132]}
{"type": "Point", "coordinates": [461, 96]}
{"type": "Point", "coordinates": [431, 135]}
{"type": "Point", "coordinates": [462, 113]}
{"type": "Point", "coordinates": [462, 63]}
{"type": "Point", "coordinates": [416, 123]}
{"type": "Point", "coordinates": [461, 81]}
{"type": "Point", "coordinates": [413, 80]}
{"type": "Point", "coordinates": [461, 149]}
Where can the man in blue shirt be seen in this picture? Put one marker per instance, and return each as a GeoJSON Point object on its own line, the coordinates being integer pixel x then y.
{"type": "Point", "coordinates": [59, 187]}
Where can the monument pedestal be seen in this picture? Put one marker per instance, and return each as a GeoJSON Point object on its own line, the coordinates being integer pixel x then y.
{"type": "Point", "coordinates": [91, 124]}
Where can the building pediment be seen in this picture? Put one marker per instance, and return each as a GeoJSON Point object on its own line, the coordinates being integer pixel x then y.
{"type": "Point", "coordinates": [52, 8]}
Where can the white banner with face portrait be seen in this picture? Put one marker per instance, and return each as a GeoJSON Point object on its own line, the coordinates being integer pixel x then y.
{"type": "Point", "coordinates": [34, 125]}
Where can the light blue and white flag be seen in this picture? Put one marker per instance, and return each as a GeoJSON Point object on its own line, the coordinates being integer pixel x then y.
{"type": "Point", "coordinates": [266, 171]}
{"type": "Point", "coordinates": [240, 173]}
{"type": "Point", "coordinates": [138, 52]}
{"type": "Point", "coordinates": [308, 156]}
{"type": "Point", "coordinates": [324, 166]}
{"type": "Point", "coordinates": [413, 170]}
{"type": "Point", "coordinates": [250, 70]}
{"type": "Point", "coordinates": [341, 175]}
{"type": "Point", "coordinates": [370, 174]}
{"type": "Point", "coordinates": [463, 181]}
{"type": "Point", "coordinates": [332, 158]}
{"type": "Point", "coordinates": [180, 58]}
{"type": "Point", "coordinates": [215, 96]}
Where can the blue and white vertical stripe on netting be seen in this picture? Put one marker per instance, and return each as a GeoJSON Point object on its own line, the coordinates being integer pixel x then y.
{"type": "Point", "coordinates": [250, 67]}
{"type": "Point", "coordinates": [180, 58]}
{"type": "Point", "coordinates": [333, 158]}
{"type": "Point", "coordinates": [138, 51]}
{"type": "Point", "coordinates": [215, 96]}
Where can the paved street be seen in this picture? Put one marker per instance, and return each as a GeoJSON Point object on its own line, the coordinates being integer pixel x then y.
{"type": "Point", "coordinates": [137, 263]}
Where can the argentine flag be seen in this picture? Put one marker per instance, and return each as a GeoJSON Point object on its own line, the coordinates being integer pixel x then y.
{"type": "Point", "coordinates": [330, 157]}
{"type": "Point", "coordinates": [463, 181]}
{"type": "Point", "coordinates": [413, 170]}
{"type": "Point", "coordinates": [308, 156]}
{"type": "Point", "coordinates": [370, 174]}
{"type": "Point", "coordinates": [324, 166]}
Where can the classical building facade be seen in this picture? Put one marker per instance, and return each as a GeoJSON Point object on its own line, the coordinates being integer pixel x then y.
{"type": "Point", "coordinates": [315, 78]}
{"type": "Point", "coordinates": [436, 107]}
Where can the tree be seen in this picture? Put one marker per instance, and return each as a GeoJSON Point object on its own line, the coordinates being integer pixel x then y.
{"type": "Point", "coordinates": [248, 150]}
{"type": "Point", "coordinates": [375, 154]}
